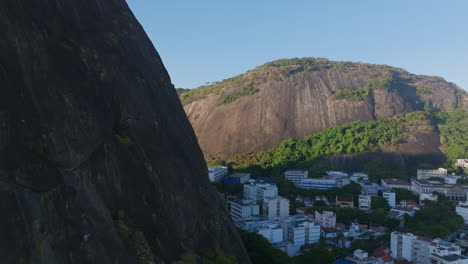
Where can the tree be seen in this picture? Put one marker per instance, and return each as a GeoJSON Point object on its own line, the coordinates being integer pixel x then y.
{"type": "Point", "coordinates": [261, 251]}
{"type": "Point", "coordinates": [317, 255]}
{"type": "Point", "coordinates": [379, 202]}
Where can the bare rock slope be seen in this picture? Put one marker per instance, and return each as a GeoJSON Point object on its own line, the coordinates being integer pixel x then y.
{"type": "Point", "coordinates": [294, 98]}
{"type": "Point", "coordinates": [98, 161]}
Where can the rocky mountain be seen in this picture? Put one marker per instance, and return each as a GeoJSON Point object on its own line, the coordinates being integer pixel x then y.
{"type": "Point", "coordinates": [98, 161]}
{"type": "Point", "coordinates": [296, 97]}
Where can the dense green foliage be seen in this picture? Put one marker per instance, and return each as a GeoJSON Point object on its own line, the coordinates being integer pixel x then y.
{"type": "Point", "coordinates": [378, 170]}
{"type": "Point", "coordinates": [382, 83]}
{"type": "Point", "coordinates": [453, 128]}
{"type": "Point", "coordinates": [354, 138]}
{"type": "Point", "coordinates": [352, 95]}
{"type": "Point", "coordinates": [246, 91]}
{"type": "Point", "coordinates": [261, 251]}
{"type": "Point", "coordinates": [436, 219]}
{"type": "Point", "coordinates": [181, 91]}
{"type": "Point", "coordinates": [402, 194]}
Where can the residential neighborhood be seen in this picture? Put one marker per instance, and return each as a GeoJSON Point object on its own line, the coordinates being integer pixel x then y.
{"type": "Point", "coordinates": [377, 218]}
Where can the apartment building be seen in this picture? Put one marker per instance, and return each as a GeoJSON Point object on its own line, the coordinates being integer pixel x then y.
{"type": "Point", "coordinates": [462, 210]}
{"type": "Point", "coordinates": [296, 176]}
{"type": "Point", "coordinates": [273, 232]}
{"type": "Point", "coordinates": [325, 218]}
{"type": "Point", "coordinates": [243, 209]}
{"type": "Point", "coordinates": [260, 191]}
{"type": "Point", "coordinates": [390, 197]}
{"type": "Point", "coordinates": [413, 248]}
{"type": "Point", "coordinates": [365, 202]}
{"type": "Point", "coordinates": [217, 174]}
{"type": "Point", "coordinates": [275, 207]}
{"type": "Point", "coordinates": [300, 230]}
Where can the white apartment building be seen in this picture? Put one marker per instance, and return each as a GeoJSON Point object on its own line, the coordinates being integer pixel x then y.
{"type": "Point", "coordinates": [390, 197]}
{"type": "Point", "coordinates": [318, 183]}
{"type": "Point", "coordinates": [300, 230]}
{"type": "Point", "coordinates": [426, 174]}
{"type": "Point", "coordinates": [462, 163]}
{"type": "Point", "coordinates": [296, 176]}
{"type": "Point", "coordinates": [462, 210]}
{"type": "Point", "coordinates": [260, 191]}
{"type": "Point", "coordinates": [217, 174]}
{"type": "Point", "coordinates": [410, 247]}
{"type": "Point", "coordinates": [365, 202]}
{"type": "Point", "coordinates": [325, 218]}
{"type": "Point", "coordinates": [243, 209]}
{"type": "Point", "coordinates": [341, 179]}
{"type": "Point", "coordinates": [273, 232]}
{"type": "Point", "coordinates": [275, 207]}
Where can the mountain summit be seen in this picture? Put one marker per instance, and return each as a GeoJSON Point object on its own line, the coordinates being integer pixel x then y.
{"type": "Point", "coordinates": [292, 98]}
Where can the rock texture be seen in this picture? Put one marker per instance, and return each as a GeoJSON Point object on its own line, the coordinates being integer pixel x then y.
{"type": "Point", "coordinates": [304, 102]}
{"type": "Point", "coordinates": [98, 162]}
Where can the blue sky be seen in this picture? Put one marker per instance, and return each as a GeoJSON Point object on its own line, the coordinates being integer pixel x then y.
{"type": "Point", "coordinates": [211, 40]}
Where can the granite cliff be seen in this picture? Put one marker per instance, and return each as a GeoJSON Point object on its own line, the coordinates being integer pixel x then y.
{"type": "Point", "coordinates": [297, 97]}
{"type": "Point", "coordinates": [98, 161]}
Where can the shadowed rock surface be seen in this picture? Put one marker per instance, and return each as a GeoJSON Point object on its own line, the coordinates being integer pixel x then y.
{"type": "Point", "coordinates": [98, 162]}
{"type": "Point", "coordinates": [297, 97]}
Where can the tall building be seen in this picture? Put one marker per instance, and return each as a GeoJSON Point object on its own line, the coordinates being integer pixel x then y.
{"type": "Point", "coordinates": [243, 209]}
{"type": "Point", "coordinates": [273, 232]}
{"type": "Point", "coordinates": [260, 191]}
{"type": "Point", "coordinates": [217, 174]}
{"type": "Point", "coordinates": [296, 176]}
{"type": "Point", "coordinates": [300, 230]}
{"type": "Point", "coordinates": [462, 210]}
{"type": "Point", "coordinates": [325, 218]}
{"type": "Point", "coordinates": [426, 174]}
{"type": "Point", "coordinates": [365, 202]}
{"type": "Point", "coordinates": [390, 197]}
{"type": "Point", "coordinates": [410, 247]}
{"type": "Point", "coordinates": [275, 207]}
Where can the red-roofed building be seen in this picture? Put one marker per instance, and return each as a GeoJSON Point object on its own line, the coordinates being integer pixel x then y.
{"type": "Point", "coordinates": [396, 183]}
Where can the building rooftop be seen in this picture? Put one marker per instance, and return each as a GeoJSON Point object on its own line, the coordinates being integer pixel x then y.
{"type": "Point", "coordinates": [344, 198]}
{"type": "Point", "coordinates": [396, 182]}
{"type": "Point", "coordinates": [239, 175]}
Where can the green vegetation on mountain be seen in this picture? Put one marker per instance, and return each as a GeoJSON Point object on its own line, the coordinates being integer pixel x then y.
{"type": "Point", "coordinates": [453, 127]}
{"type": "Point", "coordinates": [382, 83]}
{"type": "Point", "coordinates": [246, 91]}
{"type": "Point", "coordinates": [353, 138]}
{"type": "Point", "coordinates": [352, 95]}
{"type": "Point", "coordinates": [182, 90]}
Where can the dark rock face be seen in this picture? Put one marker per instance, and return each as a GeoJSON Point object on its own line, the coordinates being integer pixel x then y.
{"type": "Point", "coordinates": [304, 103]}
{"type": "Point", "coordinates": [98, 162]}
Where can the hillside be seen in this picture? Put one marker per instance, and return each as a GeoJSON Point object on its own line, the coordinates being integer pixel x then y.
{"type": "Point", "coordinates": [98, 161]}
{"type": "Point", "coordinates": [294, 98]}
